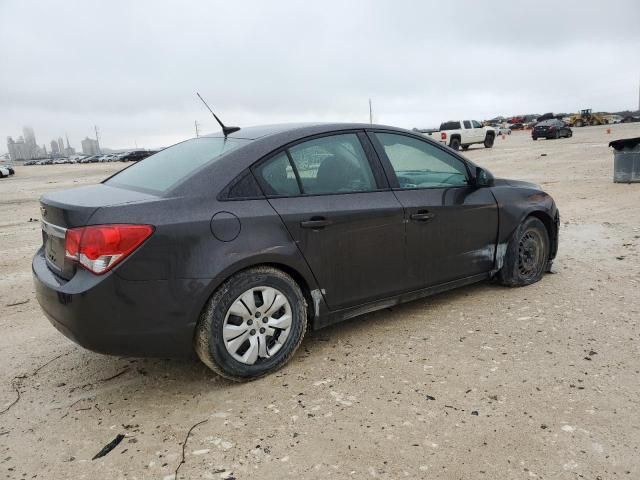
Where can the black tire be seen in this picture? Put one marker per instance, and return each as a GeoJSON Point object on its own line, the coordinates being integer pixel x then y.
{"type": "Point", "coordinates": [534, 138]}
{"type": "Point", "coordinates": [209, 342]}
{"type": "Point", "coordinates": [557, 135]}
{"type": "Point", "coordinates": [488, 140]}
{"type": "Point", "coordinates": [455, 143]}
{"type": "Point", "coordinates": [527, 254]}
{"type": "Point", "coordinates": [569, 134]}
{"type": "Point", "coordinates": [465, 147]}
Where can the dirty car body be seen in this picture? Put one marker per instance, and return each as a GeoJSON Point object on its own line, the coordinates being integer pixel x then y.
{"type": "Point", "coordinates": [353, 245]}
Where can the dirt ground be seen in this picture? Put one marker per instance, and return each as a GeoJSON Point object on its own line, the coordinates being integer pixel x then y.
{"type": "Point", "coordinates": [480, 383]}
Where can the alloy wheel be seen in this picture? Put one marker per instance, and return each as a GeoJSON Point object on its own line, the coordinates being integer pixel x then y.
{"type": "Point", "coordinates": [257, 324]}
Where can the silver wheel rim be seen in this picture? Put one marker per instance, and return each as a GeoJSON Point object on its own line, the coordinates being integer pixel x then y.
{"type": "Point", "coordinates": [257, 325]}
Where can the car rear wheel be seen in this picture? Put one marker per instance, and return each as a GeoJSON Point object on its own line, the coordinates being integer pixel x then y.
{"type": "Point", "coordinates": [252, 325]}
{"type": "Point", "coordinates": [488, 141]}
{"type": "Point", "coordinates": [527, 254]}
{"type": "Point", "coordinates": [455, 143]}
{"type": "Point", "coordinates": [534, 138]}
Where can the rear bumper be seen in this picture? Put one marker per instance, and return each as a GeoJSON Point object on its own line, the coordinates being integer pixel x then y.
{"type": "Point", "coordinates": [108, 314]}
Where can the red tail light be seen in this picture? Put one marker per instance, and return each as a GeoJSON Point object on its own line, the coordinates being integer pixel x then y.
{"type": "Point", "coordinates": [99, 248]}
{"type": "Point", "coordinates": [443, 136]}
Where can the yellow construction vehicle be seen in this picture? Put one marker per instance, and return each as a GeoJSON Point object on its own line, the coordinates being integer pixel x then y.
{"type": "Point", "coordinates": [586, 117]}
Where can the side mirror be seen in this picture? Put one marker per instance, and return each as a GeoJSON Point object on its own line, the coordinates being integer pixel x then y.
{"type": "Point", "coordinates": [484, 178]}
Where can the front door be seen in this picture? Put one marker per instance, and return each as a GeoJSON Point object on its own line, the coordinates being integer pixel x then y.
{"type": "Point", "coordinates": [451, 226]}
{"type": "Point", "coordinates": [478, 131]}
{"type": "Point", "coordinates": [346, 222]}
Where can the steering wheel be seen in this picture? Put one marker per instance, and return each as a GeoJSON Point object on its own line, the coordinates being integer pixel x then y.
{"type": "Point", "coordinates": [446, 180]}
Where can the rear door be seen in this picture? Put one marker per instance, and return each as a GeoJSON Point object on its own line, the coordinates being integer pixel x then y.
{"type": "Point", "coordinates": [337, 206]}
{"type": "Point", "coordinates": [452, 226]}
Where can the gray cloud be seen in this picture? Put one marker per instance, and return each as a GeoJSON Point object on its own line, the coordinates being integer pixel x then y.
{"type": "Point", "coordinates": [133, 67]}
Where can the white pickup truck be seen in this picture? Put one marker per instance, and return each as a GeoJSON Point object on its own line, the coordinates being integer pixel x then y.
{"type": "Point", "coordinates": [462, 133]}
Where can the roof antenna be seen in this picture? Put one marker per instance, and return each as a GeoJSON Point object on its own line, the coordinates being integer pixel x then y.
{"type": "Point", "coordinates": [225, 130]}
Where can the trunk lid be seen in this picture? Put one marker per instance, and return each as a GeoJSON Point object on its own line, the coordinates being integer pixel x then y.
{"type": "Point", "coordinates": [74, 208]}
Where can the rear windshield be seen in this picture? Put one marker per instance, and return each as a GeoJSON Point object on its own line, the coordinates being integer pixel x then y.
{"type": "Point", "coordinates": [163, 170]}
{"type": "Point", "coordinates": [546, 123]}
{"type": "Point", "coordinates": [450, 126]}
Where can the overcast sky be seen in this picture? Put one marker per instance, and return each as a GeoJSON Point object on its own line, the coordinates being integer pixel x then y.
{"type": "Point", "coordinates": [133, 68]}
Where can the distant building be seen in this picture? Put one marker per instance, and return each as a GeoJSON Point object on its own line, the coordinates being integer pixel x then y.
{"type": "Point", "coordinates": [22, 150]}
{"type": "Point", "coordinates": [90, 146]}
{"type": "Point", "coordinates": [69, 150]}
{"type": "Point", "coordinates": [25, 148]}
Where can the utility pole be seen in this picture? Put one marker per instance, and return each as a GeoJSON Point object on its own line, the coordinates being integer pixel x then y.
{"type": "Point", "coordinates": [95, 127]}
{"type": "Point", "coordinates": [197, 125]}
{"type": "Point", "coordinates": [370, 113]}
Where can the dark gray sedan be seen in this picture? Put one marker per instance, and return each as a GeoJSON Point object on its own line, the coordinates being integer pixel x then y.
{"type": "Point", "coordinates": [232, 246]}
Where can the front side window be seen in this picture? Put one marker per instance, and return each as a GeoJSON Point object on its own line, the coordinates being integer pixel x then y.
{"type": "Point", "coordinates": [160, 172]}
{"type": "Point", "coordinates": [467, 124]}
{"type": "Point", "coordinates": [476, 124]}
{"type": "Point", "coordinates": [333, 164]}
{"type": "Point", "coordinates": [418, 164]}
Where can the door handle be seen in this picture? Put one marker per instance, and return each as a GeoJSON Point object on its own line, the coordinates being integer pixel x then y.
{"type": "Point", "coordinates": [316, 223]}
{"type": "Point", "coordinates": [422, 216]}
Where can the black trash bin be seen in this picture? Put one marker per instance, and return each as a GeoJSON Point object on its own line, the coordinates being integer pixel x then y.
{"type": "Point", "coordinates": [626, 160]}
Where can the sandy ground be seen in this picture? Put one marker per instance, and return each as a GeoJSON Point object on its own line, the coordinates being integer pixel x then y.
{"type": "Point", "coordinates": [480, 383]}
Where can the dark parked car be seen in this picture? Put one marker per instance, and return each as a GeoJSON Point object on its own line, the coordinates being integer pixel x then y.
{"type": "Point", "coordinates": [233, 246]}
{"type": "Point", "coordinates": [551, 129]}
{"type": "Point", "coordinates": [137, 155]}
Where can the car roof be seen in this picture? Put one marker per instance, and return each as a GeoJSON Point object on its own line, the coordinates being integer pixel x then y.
{"type": "Point", "coordinates": [311, 128]}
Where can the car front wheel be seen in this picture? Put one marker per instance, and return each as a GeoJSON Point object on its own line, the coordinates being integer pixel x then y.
{"type": "Point", "coordinates": [252, 325]}
{"type": "Point", "coordinates": [527, 254]}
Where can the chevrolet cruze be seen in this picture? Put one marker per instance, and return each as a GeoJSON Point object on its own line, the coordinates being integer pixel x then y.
{"type": "Point", "coordinates": [232, 246]}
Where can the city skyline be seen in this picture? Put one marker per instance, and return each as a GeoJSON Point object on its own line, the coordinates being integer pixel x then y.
{"type": "Point", "coordinates": [25, 146]}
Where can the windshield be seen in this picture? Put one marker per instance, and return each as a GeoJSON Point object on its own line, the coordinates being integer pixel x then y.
{"type": "Point", "coordinates": [166, 168]}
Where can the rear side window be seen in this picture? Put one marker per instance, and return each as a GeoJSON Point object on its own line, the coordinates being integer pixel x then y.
{"type": "Point", "coordinates": [418, 164]}
{"type": "Point", "coordinates": [325, 165]}
{"type": "Point", "coordinates": [278, 176]}
{"type": "Point", "coordinates": [450, 126]}
{"type": "Point", "coordinates": [333, 164]}
{"type": "Point", "coordinates": [166, 168]}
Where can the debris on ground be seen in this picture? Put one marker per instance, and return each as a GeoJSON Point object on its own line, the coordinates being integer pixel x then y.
{"type": "Point", "coordinates": [109, 446]}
